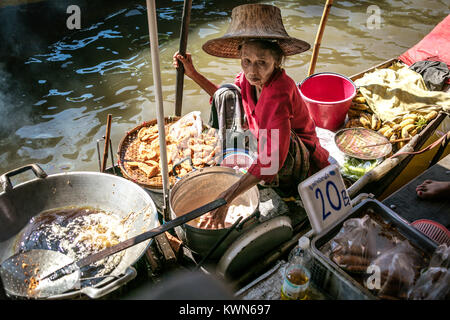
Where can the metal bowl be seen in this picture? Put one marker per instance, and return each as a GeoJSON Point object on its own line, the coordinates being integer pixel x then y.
{"type": "Point", "coordinates": [198, 188]}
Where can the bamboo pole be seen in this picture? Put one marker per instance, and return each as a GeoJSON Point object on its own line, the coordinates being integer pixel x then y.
{"type": "Point", "coordinates": [107, 137]}
{"type": "Point", "coordinates": [182, 50]}
{"type": "Point", "coordinates": [318, 41]}
{"type": "Point", "coordinates": [154, 48]}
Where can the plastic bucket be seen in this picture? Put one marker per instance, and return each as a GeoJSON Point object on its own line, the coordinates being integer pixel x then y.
{"type": "Point", "coordinates": [328, 97]}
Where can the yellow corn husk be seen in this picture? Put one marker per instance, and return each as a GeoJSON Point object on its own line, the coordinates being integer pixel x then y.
{"type": "Point", "coordinates": [406, 122]}
{"type": "Point", "coordinates": [431, 115]}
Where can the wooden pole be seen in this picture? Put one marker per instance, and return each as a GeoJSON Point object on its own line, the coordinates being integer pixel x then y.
{"type": "Point", "coordinates": [154, 48]}
{"type": "Point", "coordinates": [319, 35]}
{"type": "Point", "coordinates": [105, 149]}
{"type": "Point", "coordinates": [182, 50]}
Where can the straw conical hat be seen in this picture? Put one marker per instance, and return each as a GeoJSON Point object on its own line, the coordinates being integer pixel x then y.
{"type": "Point", "coordinates": [254, 21]}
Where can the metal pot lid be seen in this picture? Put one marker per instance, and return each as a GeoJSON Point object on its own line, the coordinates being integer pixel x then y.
{"type": "Point", "coordinates": [253, 245]}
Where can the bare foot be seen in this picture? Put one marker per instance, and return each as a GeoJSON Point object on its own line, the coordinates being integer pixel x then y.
{"type": "Point", "coordinates": [431, 189]}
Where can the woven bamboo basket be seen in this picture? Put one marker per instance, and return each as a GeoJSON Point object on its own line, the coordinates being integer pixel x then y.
{"type": "Point", "coordinates": [128, 149]}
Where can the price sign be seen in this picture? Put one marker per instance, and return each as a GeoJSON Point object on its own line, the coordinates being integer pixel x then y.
{"type": "Point", "coordinates": [325, 198]}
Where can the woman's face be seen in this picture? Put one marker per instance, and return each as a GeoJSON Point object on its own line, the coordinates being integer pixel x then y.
{"type": "Point", "coordinates": [258, 64]}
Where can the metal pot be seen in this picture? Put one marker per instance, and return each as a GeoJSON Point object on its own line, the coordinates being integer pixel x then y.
{"type": "Point", "coordinates": [18, 204]}
{"type": "Point", "coordinates": [200, 187]}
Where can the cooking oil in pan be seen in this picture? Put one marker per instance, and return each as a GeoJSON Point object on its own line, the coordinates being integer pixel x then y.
{"type": "Point", "coordinates": [77, 232]}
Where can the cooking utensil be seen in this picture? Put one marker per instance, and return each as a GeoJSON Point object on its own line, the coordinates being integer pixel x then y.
{"type": "Point", "coordinates": [354, 141]}
{"type": "Point", "coordinates": [112, 194]}
{"type": "Point", "coordinates": [16, 274]}
{"type": "Point", "coordinates": [217, 244]}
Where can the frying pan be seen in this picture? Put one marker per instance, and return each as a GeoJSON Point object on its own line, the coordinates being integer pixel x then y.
{"type": "Point", "coordinates": [19, 203]}
{"type": "Point", "coordinates": [52, 272]}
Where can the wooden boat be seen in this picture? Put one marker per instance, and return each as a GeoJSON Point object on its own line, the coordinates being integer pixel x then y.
{"type": "Point", "coordinates": [393, 173]}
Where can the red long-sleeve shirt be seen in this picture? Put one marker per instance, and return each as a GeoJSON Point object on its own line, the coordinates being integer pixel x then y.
{"type": "Point", "coordinates": [279, 107]}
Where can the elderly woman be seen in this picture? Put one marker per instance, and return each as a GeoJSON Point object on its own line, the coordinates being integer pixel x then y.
{"type": "Point", "coordinates": [288, 149]}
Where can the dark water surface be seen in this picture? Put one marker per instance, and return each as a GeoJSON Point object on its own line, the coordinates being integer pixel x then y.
{"type": "Point", "coordinates": [58, 85]}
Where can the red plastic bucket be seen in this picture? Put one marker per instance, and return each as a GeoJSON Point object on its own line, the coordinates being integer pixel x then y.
{"type": "Point", "coordinates": [328, 97]}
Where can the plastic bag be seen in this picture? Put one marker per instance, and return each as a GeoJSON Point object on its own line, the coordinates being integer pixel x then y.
{"type": "Point", "coordinates": [189, 126]}
{"type": "Point", "coordinates": [358, 242]}
{"type": "Point", "coordinates": [434, 281]}
{"type": "Point", "coordinates": [398, 269]}
{"type": "Point", "coordinates": [354, 168]}
{"type": "Point", "coordinates": [189, 141]}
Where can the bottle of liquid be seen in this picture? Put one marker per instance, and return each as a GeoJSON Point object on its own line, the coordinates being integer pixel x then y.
{"type": "Point", "coordinates": [297, 274]}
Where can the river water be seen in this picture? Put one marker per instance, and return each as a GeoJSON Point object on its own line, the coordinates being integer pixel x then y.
{"type": "Point", "coordinates": [58, 85]}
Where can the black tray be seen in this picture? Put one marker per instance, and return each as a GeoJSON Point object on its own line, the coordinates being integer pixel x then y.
{"type": "Point", "coordinates": [415, 237]}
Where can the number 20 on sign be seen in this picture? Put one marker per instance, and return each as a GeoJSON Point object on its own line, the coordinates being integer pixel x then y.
{"type": "Point", "coordinates": [325, 198]}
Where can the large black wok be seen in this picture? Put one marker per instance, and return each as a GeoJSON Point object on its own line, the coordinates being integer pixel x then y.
{"type": "Point", "coordinates": [18, 204]}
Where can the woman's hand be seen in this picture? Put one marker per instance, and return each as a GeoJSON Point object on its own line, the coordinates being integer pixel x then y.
{"type": "Point", "coordinates": [216, 219]}
{"type": "Point", "coordinates": [188, 65]}
{"type": "Point", "coordinates": [191, 72]}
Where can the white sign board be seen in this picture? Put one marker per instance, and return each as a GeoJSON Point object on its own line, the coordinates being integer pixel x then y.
{"type": "Point", "coordinates": [325, 198]}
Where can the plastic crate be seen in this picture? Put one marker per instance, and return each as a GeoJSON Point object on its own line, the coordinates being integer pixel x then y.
{"type": "Point", "coordinates": [337, 283]}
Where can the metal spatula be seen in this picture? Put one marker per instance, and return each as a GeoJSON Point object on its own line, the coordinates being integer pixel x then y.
{"type": "Point", "coordinates": [43, 273]}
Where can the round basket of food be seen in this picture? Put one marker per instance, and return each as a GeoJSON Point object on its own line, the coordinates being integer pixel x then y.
{"type": "Point", "coordinates": [186, 137]}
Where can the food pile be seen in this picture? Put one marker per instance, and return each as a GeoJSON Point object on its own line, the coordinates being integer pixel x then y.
{"type": "Point", "coordinates": [407, 126]}
{"type": "Point", "coordinates": [77, 232]}
{"type": "Point", "coordinates": [366, 244]}
{"type": "Point", "coordinates": [185, 138]}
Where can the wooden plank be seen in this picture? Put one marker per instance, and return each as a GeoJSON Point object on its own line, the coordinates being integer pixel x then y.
{"type": "Point", "coordinates": [384, 64]}
{"type": "Point", "coordinates": [166, 250]}
{"type": "Point", "coordinates": [406, 203]}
